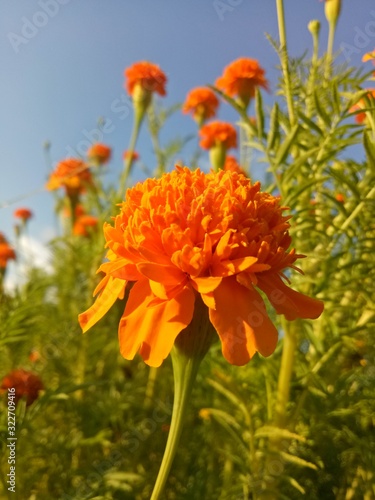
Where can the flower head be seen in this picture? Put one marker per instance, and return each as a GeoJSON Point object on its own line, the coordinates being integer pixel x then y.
{"type": "Point", "coordinates": [6, 252]}
{"type": "Point", "coordinates": [190, 237]}
{"type": "Point", "coordinates": [202, 103]}
{"type": "Point", "coordinates": [134, 155]}
{"type": "Point", "coordinates": [362, 104]}
{"type": "Point", "coordinates": [84, 224]}
{"type": "Point", "coordinates": [215, 133]}
{"type": "Point", "coordinates": [232, 165]}
{"type": "Point", "coordinates": [241, 78]}
{"type": "Point", "coordinates": [72, 174]}
{"type": "Point", "coordinates": [218, 137]}
{"type": "Point", "coordinates": [332, 9]}
{"type": "Point", "coordinates": [370, 56]}
{"type": "Point", "coordinates": [146, 75]}
{"type": "Point", "coordinates": [26, 384]}
{"type": "Point", "coordinates": [99, 153]}
{"type": "Point", "coordinates": [23, 213]}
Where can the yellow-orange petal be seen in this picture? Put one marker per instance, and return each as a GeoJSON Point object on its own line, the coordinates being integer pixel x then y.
{"type": "Point", "coordinates": [234, 266]}
{"type": "Point", "coordinates": [112, 291]}
{"type": "Point", "coordinates": [168, 275]}
{"type": "Point", "coordinates": [206, 285]}
{"type": "Point", "coordinates": [287, 301]}
{"type": "Point", "coordinates": [241, 320]}
{"type": "Point", "coordinates": [153, 330]}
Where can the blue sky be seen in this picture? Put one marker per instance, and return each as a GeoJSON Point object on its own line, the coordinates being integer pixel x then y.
{"type": "Point", "coordinates": [63, 62]}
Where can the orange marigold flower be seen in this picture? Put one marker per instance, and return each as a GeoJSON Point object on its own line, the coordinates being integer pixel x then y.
{"type": "Point", "coordinates": [370, 56]}
{"type": "Point", "coordinates": [23, 213]}
{"type": "Point", "coordinates": [99, 153]}
{"type": "Point", "coordinates": [134, 155]}
{"type": "Point", "coordinates": [84, 224]}
{"type": "Point", "coordinates": [72, 174]}
{"type": "Point", "coordinates": [26, 384]}
{"type": "Point", "coordinates": [202, 103]}
{"type": "Point", "coordinates": [215, 133]}
{"type": "Point", "coordinates": [78, 211]}
{"type": "Point", "coordinates": [146, 75]}
{"type": "Point", "coordinates": [6, 253]}
{"type": "Point", "coordinates": [232, 165]}
{"type": "Point", "coordinates": [189, 240]}
{"type": "Point", "coordinates": [241, 78]}
{"type": "Point", "coordinates": [362, 104]}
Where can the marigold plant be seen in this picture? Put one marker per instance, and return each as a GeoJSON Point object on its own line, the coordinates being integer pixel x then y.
{"type": "Point", "coordinates": [99, 153]}
{"type": "Point", "coordinates": [72, 174]}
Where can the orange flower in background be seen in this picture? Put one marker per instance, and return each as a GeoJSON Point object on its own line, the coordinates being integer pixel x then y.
{"type": "Point", "coordinates": [23, 213]}
{"type": "Point", "coordinates": [215, 133]}
{"type": "Point", "coordinates": [99, 153]}
{"type": "Point", "coordinates": [370, 56]}
{"type": "Point", "coordinates": [202, 103]}
{"type": "Point", "coordinates": [134, 155]}
{"type": "Point", "coordinates": [340, 198]}
{"type": "Point", "coordinates": [189, 237]}
{"type": "Point", "coordinates": [362, 104]}
{"type": "Point", "coordinates": [241, 78]}
{"type": "Point", "coordinates": [232, 165]}
{"type": "Point", "coordinates": [84, 224]}
{"type": "Point", "coordinates": [6, 252]}
{"type": "Point", "coordinates": [72, 174]}
{"type": "Point", "coordinates": [147, 76]}
{"type": "Point", "coordinates": [78, 211]}
{"type": "Point", "coordinates": [26, 384]}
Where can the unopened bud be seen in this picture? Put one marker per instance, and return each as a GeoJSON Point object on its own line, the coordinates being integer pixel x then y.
{"type": "Point", "coordinates": [314, 27]}
{"type": "Point", "coordinates": [332, 10]}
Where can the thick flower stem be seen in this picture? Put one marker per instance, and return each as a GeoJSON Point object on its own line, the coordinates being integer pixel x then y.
{"type": "Point", "coordinates": [185, 370]}
{"type": "Point", "coordinates": [189, 349]}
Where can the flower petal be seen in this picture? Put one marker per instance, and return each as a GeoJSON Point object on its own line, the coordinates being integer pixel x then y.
{"type": "Point", "coordinates": [287, 301]}
{"type": "Point", "coordinates": [113, 290]}
{"type": "Point", "coordinates": [206, 284]}
{"type": "Point", "coordinates": [168, 275]}
{"type": "Point", "coordinates": [242, 322]}
{"type": "Point", "coordinates": [153, 329]}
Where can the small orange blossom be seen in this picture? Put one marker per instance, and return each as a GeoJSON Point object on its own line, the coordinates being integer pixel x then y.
{"type": "Point", "coordinates": [99, 153]}
{"type": "Point", "coordinates": [241, 78]}
{"type": "Point", "coordinates": [202, 103]}
{"type": "Point", "coordinates": [72, 174]}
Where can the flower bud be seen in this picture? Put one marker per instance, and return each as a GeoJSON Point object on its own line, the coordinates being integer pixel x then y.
{"type": "Point", "coordinates": [332, 10]}
{"type": "Point", "coordinates": [314, 27]}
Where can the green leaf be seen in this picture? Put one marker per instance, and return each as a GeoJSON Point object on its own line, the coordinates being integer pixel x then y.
{"type": "Point", "coordinates": [286, 145]}
{"type": "Point", "coordinates": [259, 113]}
{"type": "Point", "coordinates": [274, 132]}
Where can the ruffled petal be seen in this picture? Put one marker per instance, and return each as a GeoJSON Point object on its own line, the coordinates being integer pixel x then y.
{"type": "Point", "coordinates": [153, 329]}
{"type": "Point", "coordinates": [241, 320]}
{"type": "Point", "coordinates": [112, 291]}
{"type": "Point", "coordinates": [287, 301]}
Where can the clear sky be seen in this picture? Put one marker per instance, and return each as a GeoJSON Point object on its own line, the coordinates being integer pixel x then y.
{"type": "Point", "coordinates": [62, 67]}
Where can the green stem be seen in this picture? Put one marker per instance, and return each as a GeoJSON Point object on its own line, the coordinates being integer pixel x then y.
{"type": "Point", "coordinates": [285, 375]}
{"type": "Point", "coordinates": [189, 349]}
{"type": "Point", "coordinates": [284, 59]}
{"type": "Point", "coordinates": [331, 37]}
{"type": "Point", "coordinates": [185, 370]}
{"type": "Point", "coordinates": [154, 132]}
{"type": "Point", "coordinates": [128, 162]}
